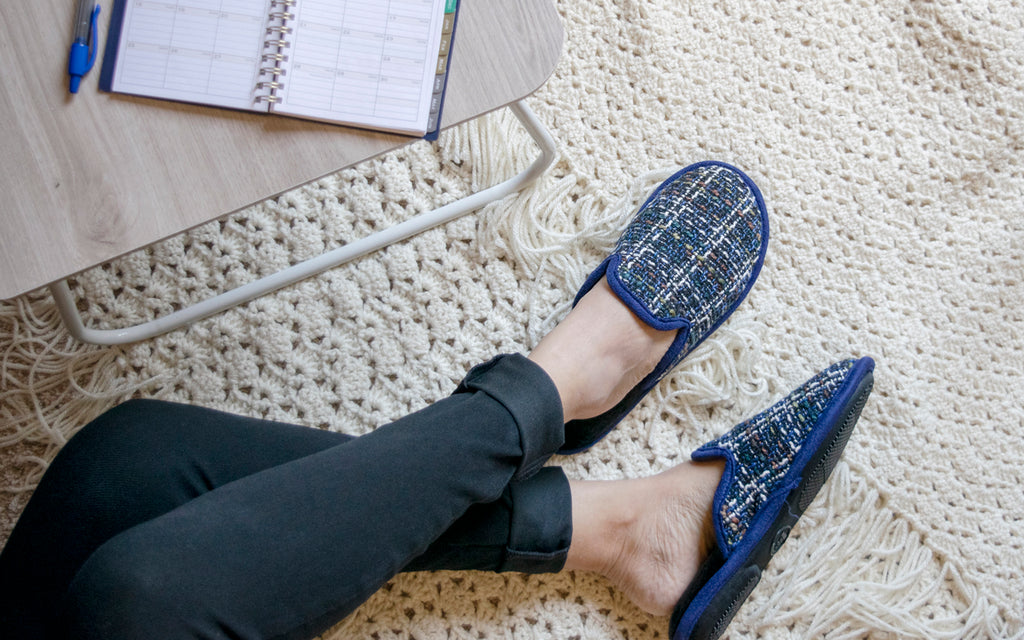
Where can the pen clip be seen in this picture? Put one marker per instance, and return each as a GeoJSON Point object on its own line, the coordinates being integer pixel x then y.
{"type": "Point", "coordinates": [93, 37]}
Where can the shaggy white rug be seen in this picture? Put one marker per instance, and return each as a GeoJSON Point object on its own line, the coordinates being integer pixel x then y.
{"type": "Point", "coordinates": [888, 139]}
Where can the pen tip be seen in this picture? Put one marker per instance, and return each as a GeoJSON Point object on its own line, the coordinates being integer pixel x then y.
{"type": "Point", "coordinates": [73, 85]}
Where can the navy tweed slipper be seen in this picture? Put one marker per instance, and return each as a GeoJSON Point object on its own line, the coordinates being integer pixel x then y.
{"type": "Point", "coordinates": [686, 261]}
{"type": "Point", "coordinates": [775, 463]}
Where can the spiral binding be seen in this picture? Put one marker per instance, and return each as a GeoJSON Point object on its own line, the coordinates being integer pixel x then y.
{"type": "Point", "coordinates": [273, 51]}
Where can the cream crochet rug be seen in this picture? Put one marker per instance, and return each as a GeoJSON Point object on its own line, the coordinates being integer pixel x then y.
{"type": "Point", "coordinates": [888, 139]}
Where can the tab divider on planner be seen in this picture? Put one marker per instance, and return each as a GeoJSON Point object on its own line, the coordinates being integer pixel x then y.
{"type": "Point", "coordinates": [441, 77]}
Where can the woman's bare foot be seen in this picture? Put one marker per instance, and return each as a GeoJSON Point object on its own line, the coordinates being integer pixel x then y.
{"type": "Point", "coordinates": [598, 353]}
{"type": "Point", "coordinates": [647, 535]}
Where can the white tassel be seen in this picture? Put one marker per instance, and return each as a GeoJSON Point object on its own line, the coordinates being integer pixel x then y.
{"type": "Point", "coordinates": [51, 384]}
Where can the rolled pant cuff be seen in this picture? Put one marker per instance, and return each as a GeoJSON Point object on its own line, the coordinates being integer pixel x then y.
{"type": "Point", "coordinates": [529, 395]}
{"type": "Point", "coordinates": [541, 523]}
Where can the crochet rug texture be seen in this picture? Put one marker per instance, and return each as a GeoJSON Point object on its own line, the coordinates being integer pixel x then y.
{"type": "Point", "coordinates": [888, 139]}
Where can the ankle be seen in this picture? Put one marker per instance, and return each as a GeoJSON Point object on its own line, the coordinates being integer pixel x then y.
{"type": "Point", "coordinates": [603, 514]}
{"type": "Point", "coordinates": [598, 353]}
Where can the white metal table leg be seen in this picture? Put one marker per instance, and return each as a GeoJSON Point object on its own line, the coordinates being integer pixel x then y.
{"type": "Point", "coordinates": [73, 320]}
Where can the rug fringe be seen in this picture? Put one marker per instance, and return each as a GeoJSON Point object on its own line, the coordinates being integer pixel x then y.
{"type": "Point", "coordinates": [877, 570]}
{"type": "Point", "coordinates": [52, 385]}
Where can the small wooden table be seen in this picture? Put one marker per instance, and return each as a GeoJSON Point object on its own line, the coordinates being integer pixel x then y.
{"type": "Point", "coordinates": [90, 177]}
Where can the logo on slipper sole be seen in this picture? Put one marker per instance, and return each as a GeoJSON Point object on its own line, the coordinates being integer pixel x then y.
{"type": "Point", "coordinates": [780, 538]}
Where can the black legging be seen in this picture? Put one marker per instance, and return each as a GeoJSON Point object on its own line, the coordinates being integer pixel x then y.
{"type": "Point", "coordinates": [161, 520]}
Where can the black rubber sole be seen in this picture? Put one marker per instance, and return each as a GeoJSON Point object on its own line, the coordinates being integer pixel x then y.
{"type": "Point", "coordinates": [718, 614]}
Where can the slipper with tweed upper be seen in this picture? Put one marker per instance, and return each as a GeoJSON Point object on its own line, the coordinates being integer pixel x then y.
{"type": "Point", "coordinates": [775, 463]}
{"type": "Point", "coordinates": [686, 261]}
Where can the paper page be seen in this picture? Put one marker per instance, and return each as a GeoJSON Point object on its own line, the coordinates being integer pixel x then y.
{"type": "Point", "coordinates": [193, 51]}
{"type": "Point", "coordinates": [368, 63]}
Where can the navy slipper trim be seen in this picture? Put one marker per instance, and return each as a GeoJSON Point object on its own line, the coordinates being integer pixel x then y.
{"type": "Point", "coordinates": [723, 584]}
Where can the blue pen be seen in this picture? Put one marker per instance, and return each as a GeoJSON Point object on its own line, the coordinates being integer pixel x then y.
{"type": "Point", "coordinates": [83, 46]}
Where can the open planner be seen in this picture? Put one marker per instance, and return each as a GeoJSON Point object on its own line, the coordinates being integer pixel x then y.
{"type": "Point", "coordinates": [377, 64]}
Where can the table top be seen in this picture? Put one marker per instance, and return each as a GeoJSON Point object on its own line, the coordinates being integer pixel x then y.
{"type": "Point", "coordinates": [90, 177]}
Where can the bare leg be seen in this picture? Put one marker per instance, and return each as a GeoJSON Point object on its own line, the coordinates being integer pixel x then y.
{"type": "Point", "coordinates": [647, 535]}
{"type": "Point", "coordinates": [598, 353]}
